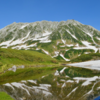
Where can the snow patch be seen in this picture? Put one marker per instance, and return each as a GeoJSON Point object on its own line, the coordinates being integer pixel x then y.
{"type": "Point", "coordinates": [63, 70]}
{"type": "Point", "coordinates": [70, 81]}
{"type": "Point", "coordinates": [88, 46]}
{"type": "Point", "coordinates": [71, 34]}
{"type": "Point", "coordinates": [56, 73]}
{"type": "Point", "coordinates": [64, 57]}
{"type": "Point", "coordinates": [33, 81]}
{"type": "Point", "coordinates": [64, 85]}
{"type": "Point", "coordinates": [23, 26]}
{"type": "Point", "coordinates": [72, 91]}
{"type": "Point", "coordinates": [45, 51]}
{"type": "Point", "coordinates": [24, 46]}
{"type": "Point", "coordinates": [88, 64]}
{"type": "Point", "coordinates": [87, 80]}
{"type": "Point", "coordinates": [46, 33]}
{"type": "Point", "coordinates": [56, 54]}
{"type": "Point", "coordinates": [69, 45]}
{"type": "Point", "coordinates": [98, 38]}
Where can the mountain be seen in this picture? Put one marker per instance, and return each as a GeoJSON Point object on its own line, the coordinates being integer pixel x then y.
{"type": "Point", "coordinates": [63, 40]}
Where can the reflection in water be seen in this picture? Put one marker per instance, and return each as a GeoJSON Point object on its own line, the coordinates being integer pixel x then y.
{"type": "Point", "coordinates": [27, 90]}
{"type": "Point", "coordinates": [57, 86]}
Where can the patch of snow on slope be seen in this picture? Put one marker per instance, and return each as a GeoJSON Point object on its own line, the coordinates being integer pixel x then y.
{"type": "Point", "coordinates": [23, 81]}
{"type": "Point", "coordinates": [79, 55]}
{"type": "Point", "coordinates": [56, 54]}
{"type": "Point", "coordinates": [58, 42]}
{"type": "Point", "coordinates": [87, 33]}
{"type": "Point", "coordinates": [11, 42]}
{"type": "Point", "coordinates": [98, 38]}
{"type": "Point", "coordinates": [7, 43]}
{"type": "Point", "coordinates": [42, 39]}
{"type": "Point", "coordinates": [88, 46]}
{"type": "Point", "coordinates": [98, 88]}
{"type": "Point", "coordinates": [56, 73]}
{"type": "Point", "coordinates": [26, 36]}
{"type": "Point", "coordinates": [19, 41]}
{"type": "Point", "coordinates": [45, 51]}
{"type": "Point", "coordinates": [72, 91]}
{"type": "Point", "coordinates": [71, 34]}
{"type": "Point", "coordinates": [88, 64]}
{"type": "Point", "coordinates": [62, 46]}
{"type": "Point", "coordinates": [19, 85]}
{"type": "Point", "coordinates": [9, 85]}
{"type": "Point", "coordinates": [64, 85]}
{"type": "Point", "coordinates": [42, 87]}
{"type": "Point", "coordinates": [23, 26]}
{"type": "Point", "coordinates": [37, 49]}
{"type": "Point", "coordinates": [86, 43]}
{"type": "Point", "coordinates": [87, 80]}
{"type": "Point", "coordinates": [66, 76]}
{"type": "Point", "coordinates": [87, 52]}
{"type": "Point", "coordinates": [45, 41]}
{"type": "Point", "coordinates": [64, 41]}
{"type": "Point", "coordinates": [63, 70]}
{"type": "Point", "coordinates": [77, 45]}
{"type": "Point", "coordinates": [69, 45]}
{"type": "Point", "coordinates": [24, 46]}
{"type": "Point", "coordinates": [33, 81]}
{"type": "Point", "coordinates": [64, 57]}
{"type": "Point", "coordinates": [70, 81]}
{"type": "Point", "coordinates": [46, 33]}
{"type": "Point", "coordinates": [62, 80]}
{"type": "Point", "coordinates": [45, 85]}
{"type": "Point", "coordinates": [46, 93]}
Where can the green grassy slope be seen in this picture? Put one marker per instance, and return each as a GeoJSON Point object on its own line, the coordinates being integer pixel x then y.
{"type": "Point", "coordinates": [86, 57]}
{"type": "Point", "coordinates": [4, 96]}
{"type": "Point", "coordinates": [10, 56]}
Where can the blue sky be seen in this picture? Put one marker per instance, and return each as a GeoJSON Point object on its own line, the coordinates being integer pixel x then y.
{"type": "Point", "coordinates": [84, 11]}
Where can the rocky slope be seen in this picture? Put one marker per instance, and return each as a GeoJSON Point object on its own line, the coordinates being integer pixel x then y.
{"type": "Point", "coordinates": [65, 39]}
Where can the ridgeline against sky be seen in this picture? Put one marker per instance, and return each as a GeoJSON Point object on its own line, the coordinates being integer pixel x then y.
{"type": "Point", "coordinates": [84, 11]}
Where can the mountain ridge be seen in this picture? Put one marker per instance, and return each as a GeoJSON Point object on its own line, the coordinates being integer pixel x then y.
{"type": "Point", "coordinates": [53, 38]}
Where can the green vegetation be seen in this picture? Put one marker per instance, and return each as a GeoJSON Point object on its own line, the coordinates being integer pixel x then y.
{"type": "Point", "coordinates": [59, 58]}
{"type": "Point", "coordinates": [86, 57]}
{"type": "Point", "coordinates": [25, 74]}
{"type": "Point", "coordinates": [5, 96]}
{"type": "Point", "coordinates": [10, 56]}
{"type": "Point", "coordinates": [72, 53]}
{"type": "Point", "coordinates": [47, 46]}
{"type": "Point", "coordinates": [80, 72]}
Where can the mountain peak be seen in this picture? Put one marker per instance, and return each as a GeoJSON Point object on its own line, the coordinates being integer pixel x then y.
{"type": "Point", "coordinates": [74, 22]}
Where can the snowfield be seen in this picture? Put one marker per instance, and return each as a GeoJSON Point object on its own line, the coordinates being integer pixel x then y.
{"type": "Point", "coordinates": [95, 64]}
